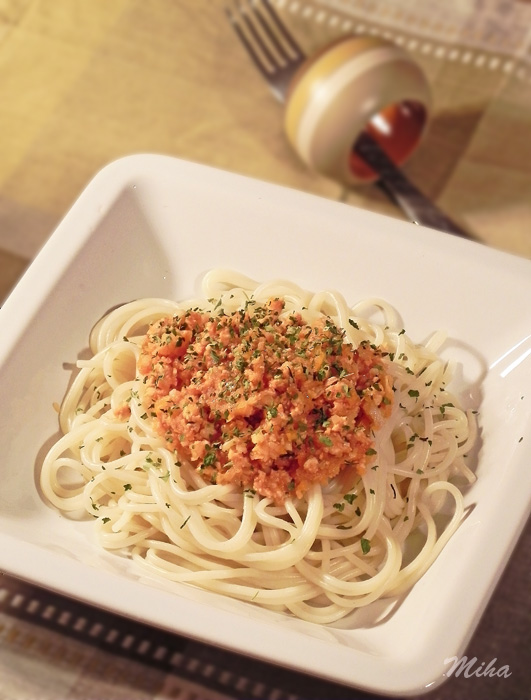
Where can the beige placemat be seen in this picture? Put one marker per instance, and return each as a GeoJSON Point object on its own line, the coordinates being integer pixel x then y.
{"type": "Point", "coordinates": [84, 83]}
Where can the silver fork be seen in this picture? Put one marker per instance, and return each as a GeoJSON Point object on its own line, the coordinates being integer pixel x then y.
{"type": "Point", "coordinates": [278, 58]}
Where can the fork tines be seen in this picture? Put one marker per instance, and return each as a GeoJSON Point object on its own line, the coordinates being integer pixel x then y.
{"type": "Point", "coordinates": [264, 35]}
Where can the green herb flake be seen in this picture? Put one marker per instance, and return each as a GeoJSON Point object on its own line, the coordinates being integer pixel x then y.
{"type": "Point", "coordinates": [365, 545]}
{"type": "Point", "coordinates": [271, 411]}
{"type": "Point", "coordinates": [209, 459]}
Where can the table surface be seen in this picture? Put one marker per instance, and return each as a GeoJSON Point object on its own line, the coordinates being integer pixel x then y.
{"type": "Point", "coordinates": [84, 83]}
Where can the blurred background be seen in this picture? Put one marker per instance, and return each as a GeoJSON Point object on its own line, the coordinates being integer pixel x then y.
{"type": "Point", "coordinates": [83, 82]}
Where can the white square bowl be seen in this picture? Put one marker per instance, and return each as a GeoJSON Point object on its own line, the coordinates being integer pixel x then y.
{"type": "Point", "coordinates": [151, 226]}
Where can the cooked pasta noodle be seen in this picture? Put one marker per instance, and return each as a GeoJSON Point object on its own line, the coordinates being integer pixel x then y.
{"type": "Point", "coordinates": [318, 554]}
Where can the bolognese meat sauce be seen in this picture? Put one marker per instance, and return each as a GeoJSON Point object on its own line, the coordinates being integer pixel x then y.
{"type": "Point", "coordinates": [262, 399]}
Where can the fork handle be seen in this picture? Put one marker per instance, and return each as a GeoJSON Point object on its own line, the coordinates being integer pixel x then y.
{"type": "Point", "coordinates": [417, 207]}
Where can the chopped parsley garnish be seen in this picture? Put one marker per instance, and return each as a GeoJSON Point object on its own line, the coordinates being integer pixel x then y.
{"type": "Point", "coordinates": [271, 411]}
{"type": "Point", "coordinates": [365, 545]}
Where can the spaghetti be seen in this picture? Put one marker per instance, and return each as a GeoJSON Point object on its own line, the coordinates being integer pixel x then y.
{"type": "Point", "coordinates": [266, 443]}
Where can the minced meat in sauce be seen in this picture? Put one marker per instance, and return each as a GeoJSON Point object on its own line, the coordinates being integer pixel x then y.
{"type": "Point", "coordinates": [262, 399]}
